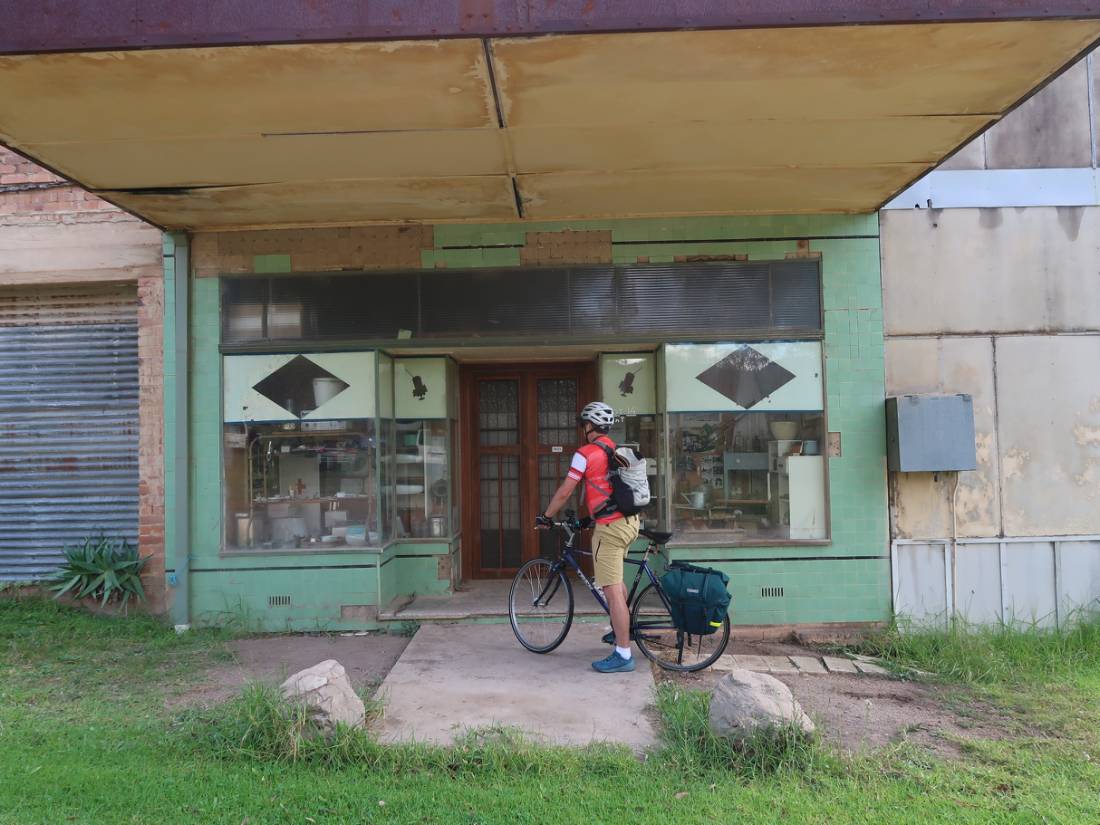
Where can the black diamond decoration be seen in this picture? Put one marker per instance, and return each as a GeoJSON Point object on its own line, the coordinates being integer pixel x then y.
{"type": "Point", "coordinates": [746, 376]}
{"type": "Point", "coordinates": [292, 385]}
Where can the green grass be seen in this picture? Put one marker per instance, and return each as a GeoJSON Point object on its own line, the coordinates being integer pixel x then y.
{"type": "Point", "coordinates": [86, 737]}
{"type": "Point", "coordinates": [991, 655]}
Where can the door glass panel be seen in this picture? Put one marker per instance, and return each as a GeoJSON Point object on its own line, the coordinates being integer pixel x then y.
{"type": "Point", "coordinates": [498, 413]}
{"type": "Point", "coordinates": [501, 540]}
{"type": "Point", "coordinates": [557, 411]}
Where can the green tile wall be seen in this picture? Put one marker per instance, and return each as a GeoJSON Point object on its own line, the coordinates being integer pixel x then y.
{"type": "Point", "coordinates": [845, 581]}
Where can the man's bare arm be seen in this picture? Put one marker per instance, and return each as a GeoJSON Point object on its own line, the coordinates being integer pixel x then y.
{"type": "Point", "coordinates": [561, 497]}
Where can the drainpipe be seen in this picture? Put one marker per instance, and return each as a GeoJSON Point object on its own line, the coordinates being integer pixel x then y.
{"type": "Point", "coordinates": [181, 433]}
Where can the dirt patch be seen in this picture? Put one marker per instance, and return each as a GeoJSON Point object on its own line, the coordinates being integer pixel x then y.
{"type": "Point", "coordinates": [366, 658]}
{"type": "Point", "coordinates": [859, 713]}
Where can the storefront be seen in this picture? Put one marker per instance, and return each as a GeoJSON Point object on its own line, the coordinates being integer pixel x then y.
{"type": "Point", "coordinates": [363, 437]}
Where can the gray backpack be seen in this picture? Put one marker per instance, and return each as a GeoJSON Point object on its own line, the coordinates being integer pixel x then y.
{"type": "Point", "coordinates": [629, 483]}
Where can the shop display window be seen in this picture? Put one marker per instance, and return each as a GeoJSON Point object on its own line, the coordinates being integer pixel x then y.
{"type": "Point", "coordinates": [422, 479]}
{"type": "Point", "coordinates": [302, 485]}
{"type": "Point", "coordinates": [747, 477]}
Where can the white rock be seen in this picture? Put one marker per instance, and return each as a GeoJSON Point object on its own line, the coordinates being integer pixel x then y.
{"type": "Point", "coordinates": [744, 701]}
{"type": "Point", "coordinates": [326, 692]}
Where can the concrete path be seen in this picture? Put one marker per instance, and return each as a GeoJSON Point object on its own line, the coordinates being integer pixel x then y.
{"type": "Point", "coordinates": [453, 678]}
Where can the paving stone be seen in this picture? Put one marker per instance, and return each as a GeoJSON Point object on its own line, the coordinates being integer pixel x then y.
{"type": "Point", "coordinates": [808, 664]}
{"type": "Point", "coordinates": [725, 662]}
{"type": "Point", "coordinates": [836, 665]}
{"type": "Point", "coordinates": [756, 663]}
{"type": "Point", "coordinates": [780, 664]}
{"type": "Point", "coordinates": [872, 669]}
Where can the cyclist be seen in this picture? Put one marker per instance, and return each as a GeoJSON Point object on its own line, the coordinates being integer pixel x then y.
{"type": "Point", "coordinates": [614, 532]}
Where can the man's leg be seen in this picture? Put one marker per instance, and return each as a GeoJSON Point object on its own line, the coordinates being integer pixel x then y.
{"type": "Point", "coordinates": [620, 616]}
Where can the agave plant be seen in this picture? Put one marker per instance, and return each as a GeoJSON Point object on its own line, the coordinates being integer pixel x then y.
{"type": "Point", "coordinates": [100, 568]}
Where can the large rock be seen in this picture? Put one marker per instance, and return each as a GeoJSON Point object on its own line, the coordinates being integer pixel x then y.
{"type": "Point", "coordinates": [744, 702]}
{"type": "Point", "coordinates": [326, 692]}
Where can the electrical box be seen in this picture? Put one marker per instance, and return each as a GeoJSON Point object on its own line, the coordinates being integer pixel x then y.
{"type": "Point", "coordinates": [930, 433]}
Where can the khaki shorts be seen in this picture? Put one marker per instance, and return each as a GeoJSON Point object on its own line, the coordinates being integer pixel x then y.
{"type": "Point", "coordinates": [609, 545]}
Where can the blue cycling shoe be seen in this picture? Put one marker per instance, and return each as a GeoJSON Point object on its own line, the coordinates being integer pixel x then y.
{"type": "Point", "coordinates": [614, 664]}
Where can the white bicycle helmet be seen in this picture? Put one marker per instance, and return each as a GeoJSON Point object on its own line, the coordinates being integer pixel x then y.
{"type": "Point", "coordinates": [599, 414]}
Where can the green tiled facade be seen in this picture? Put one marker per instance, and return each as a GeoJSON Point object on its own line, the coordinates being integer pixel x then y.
{"type": "Point", "coordinates": [846, 580]}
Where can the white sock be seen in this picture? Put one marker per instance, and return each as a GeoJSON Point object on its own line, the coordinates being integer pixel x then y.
{"type": "Point", "coordinates": [624, 652]}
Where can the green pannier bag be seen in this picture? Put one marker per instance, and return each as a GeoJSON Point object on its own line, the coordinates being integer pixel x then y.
{"type": "Point", "coordinates": [698, 597]}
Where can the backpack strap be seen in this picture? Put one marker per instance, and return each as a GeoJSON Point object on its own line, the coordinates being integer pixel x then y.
{"type": "Point", "coordinates": [609, 502]}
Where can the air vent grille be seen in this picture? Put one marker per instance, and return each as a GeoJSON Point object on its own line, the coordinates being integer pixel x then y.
{"type": "Point", "coordinates": [278, 601]}
{"type": "Point", "coordinates": [771, 592]}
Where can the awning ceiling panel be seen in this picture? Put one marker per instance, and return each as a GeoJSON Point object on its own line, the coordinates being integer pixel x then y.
{"type": "Point", "coordinates": [792, 120]}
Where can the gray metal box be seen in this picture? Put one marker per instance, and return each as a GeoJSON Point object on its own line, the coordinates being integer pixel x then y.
{"type": "Point", "coordinates": [930, 433]}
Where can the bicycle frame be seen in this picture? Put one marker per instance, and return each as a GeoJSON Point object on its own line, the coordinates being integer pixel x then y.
{"type": "Point", "coordinates": [566, 561]}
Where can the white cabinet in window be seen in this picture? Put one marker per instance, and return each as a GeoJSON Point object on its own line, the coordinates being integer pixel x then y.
{"type": "Point", "coordinates": [806, 488]}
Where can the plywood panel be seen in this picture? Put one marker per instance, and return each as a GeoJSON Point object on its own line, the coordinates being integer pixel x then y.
{"type": "Point", "coordinates": [1052, 130]}
{"type": "Point", "coordinates": [724, 76]}
{"type": "Point", "coordinates": [990, 270]}
{"type": "Point", "coordinates": [330, 202]}
{"type": "Point", "coordinates": [132, 164]}
{"type": "Point", "coordinates": [1048, 422]}
{"type": "Point", "coordinates": [780, 190]}
{"type": "Point", "coordinates": [246, 90]}
{"type": "Point", "coordinates": [920, 503]}
{"type": "Point", "coordinates": [684, 145]}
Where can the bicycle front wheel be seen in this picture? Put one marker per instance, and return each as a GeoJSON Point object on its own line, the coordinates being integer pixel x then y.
{"type": "Point", "coordinates": [660, 641]}
{"type": "Point", "coordinates": [540, 606]}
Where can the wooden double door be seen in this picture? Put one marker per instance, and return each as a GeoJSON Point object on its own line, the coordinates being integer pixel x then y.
{"type": "Point", "coordinates": [519, 425]}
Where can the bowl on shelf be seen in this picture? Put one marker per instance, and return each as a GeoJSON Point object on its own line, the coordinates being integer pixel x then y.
{"type": "Point", "coordinates": [783, 430]}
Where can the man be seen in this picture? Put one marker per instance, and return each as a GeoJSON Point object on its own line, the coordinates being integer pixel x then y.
{"type": "Point", "coordinates": [614, 532]}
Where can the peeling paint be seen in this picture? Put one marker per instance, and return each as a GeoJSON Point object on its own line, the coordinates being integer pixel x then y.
{"type": "Point", "coordinates": [1086, 435]}
{"type": "Point", "coordinates": [983, 448]}
{"type": "Point", "coordinates": [1089, 479]}
{"type": "Point", "coordinates": [1014, 462]}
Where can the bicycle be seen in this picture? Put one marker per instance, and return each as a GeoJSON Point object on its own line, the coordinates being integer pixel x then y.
{"type": "Point", "coordinates": [540, 604]}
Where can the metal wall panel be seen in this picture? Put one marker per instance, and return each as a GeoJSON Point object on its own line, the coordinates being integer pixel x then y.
{"type": "Point", "coordinates": [1078, 566]}
{"type": "Point", "coordinates": [920, 587]}
{"type": "Point", "coordinates": [1028, 571]}
{"type": "Point", "coordinates": [978, 578]}
{"type": "Point", "coordinates": [1020, 581]}
{"type": "Point", "coordinates": [68, 422]}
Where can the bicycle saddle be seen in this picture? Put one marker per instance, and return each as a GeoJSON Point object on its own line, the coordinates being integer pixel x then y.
{"type": "Point", "coordinates": [655, 536]}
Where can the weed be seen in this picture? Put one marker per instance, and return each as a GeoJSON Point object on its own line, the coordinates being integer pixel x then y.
{"type": "Point", "coordinates": [691, 746]}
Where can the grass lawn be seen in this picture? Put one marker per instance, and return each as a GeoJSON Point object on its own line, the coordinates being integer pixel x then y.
{"type": "Point", "coordinates": [85, 736]}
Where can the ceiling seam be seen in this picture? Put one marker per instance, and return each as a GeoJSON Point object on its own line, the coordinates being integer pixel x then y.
{"type": "Point", "coordinates": [505, 138]}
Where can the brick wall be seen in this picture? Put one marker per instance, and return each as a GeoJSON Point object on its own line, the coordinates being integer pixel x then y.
{"type": "Point", "coordinates": [53, 232]}
{"type": "Point", "coordinates": [28, 190]}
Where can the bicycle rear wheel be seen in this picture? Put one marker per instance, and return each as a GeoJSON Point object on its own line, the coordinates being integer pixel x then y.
{"type": "Point", "coordinates": [540, 606]}
{"type": "Point", "coordinates": [659, 640]}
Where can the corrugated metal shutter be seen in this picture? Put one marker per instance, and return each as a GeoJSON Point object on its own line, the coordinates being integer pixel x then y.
{"type": "Point", "coordinates": [68, 422]}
